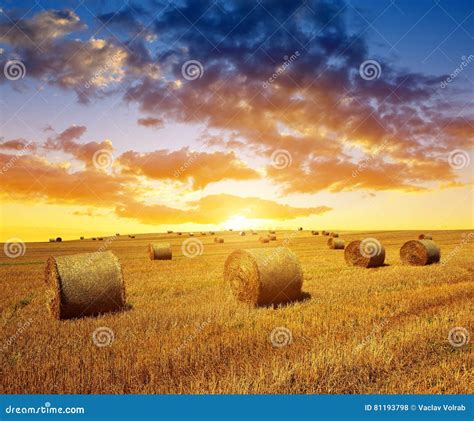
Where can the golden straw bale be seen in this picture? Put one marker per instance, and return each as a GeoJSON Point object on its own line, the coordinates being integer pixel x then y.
{"type": "Point", "coordinates": [242, 233]}
{"type": "Point", "coordinates": [272, 237]}
{"type": "Point", "coordinates": [264, 276]}
{"type": "Point", "coordinates": [425, 237]}
{"type": "Point", "coordinates": [218, 240]}
{"type": "Point", "coordinates": [264, 239]}
{"type": "Point", "coordinates": [336, 243]}
{"type": "Point", "coordinates": [84, 284]}
{"type": "Point", "coordinates": [367, 253]}
{"type": "Point", "coordinates": [420, 252]}
{"type": "Point", "coordinates": [160, 251]}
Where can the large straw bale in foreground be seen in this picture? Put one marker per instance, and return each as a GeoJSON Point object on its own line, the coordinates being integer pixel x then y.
{"type": "Point", "coordinates": [420, 252]}
{"type": "Point", "coordinates": [160, 251]}
{"type": "Point", "coordinates": [367, 253]}
{"type": "Point", "coordinates": [264, 276]}
{"type": "Point", "coordinates": [85, 284]}
{"type": "Point", "coordinates": [336, 243]}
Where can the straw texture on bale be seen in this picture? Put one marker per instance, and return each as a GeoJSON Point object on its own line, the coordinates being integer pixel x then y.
{"type": "Point", "coordinates": [354, 257]}
{"type": "Point", "coordinates": [218, 240]}
{"type": "Point", "coordinates": [85, 284]}
{"type": "Point", "coordinates": [425, 237]}
{"type": "Point", "coordinates": [160, 251]}
{"type": "Point", "coordinates": [264, 276]}
{"type": "Point", "coordinates": [272, 237]}
{"type": "Point", "coordinates": [336, 243]}
{"type": "Point", "coordinates": [420, 252]}
{"type": "Point", "coordinates": [264, 239]}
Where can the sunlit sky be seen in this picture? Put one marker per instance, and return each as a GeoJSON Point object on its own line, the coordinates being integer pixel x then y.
{"type": "Point", "coordinates": [139, 117]}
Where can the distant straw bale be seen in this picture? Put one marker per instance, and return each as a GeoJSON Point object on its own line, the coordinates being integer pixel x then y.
{"type": "Point", "coordinates": [263, 277]}
{"type": "Point", "coordinates": [59, 239]}
{"type": "Point", "coordinates": [367, 253]}
{"type": "Point", "coordinates": [264, 239]}
{"type": "Point", "coordinates": [420, 252]}
{"type": "Point", "coordinates": [336, 243]}
{"type": "Point", "coordinates": [425, 237]}
{"type": "Point", "coordinates": [84, 284]}
{"type": "Point", "coordinates": [272, 237]}
{"type": "Point", "coordinates": [334, 234]}
{"type": "Point", "coordinates": [242, 233]}
{"type": "Point", "coordinates": [218, 240]}
{"type": "Point", "coordinates": [160, 251]}
{"type": "Point", "coordinates": [52, 240]}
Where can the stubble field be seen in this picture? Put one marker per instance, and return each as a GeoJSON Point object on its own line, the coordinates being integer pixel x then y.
{"type": "Point", "coordinates": [381, 330]}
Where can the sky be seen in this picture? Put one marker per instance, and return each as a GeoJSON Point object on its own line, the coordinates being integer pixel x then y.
{"type": "Point", "coordinates": [133, 117]}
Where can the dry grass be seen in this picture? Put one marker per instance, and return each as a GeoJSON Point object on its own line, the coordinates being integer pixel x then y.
{"type": "Point", "coordinates": [381, 330]}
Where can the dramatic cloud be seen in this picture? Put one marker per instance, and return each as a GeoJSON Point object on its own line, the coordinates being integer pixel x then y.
{"type": "Point", "coordinates": [201, 168]}
{"type": "Point", "coordinates": [216, 209]}
{"type": "Point", "coordinates": [155, 123]}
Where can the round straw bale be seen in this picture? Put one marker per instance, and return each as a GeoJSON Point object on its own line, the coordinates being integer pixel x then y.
{"type": "Point", "coordinates": [425, 237]}
{"type": "Point", "coordinates": [131, 236]}
{"type": "Point", "coordinates": [85, 284]}
{"type": "Point", "coordinates": [117, 234]}
{"type": "Point", "coordinates": [334, 234]}
{"type": "Point", "coordinates": [191, 234]}
{"type": "Point", "coordinates": [160, 251]}
{"type": "Point", "coordinates": [420, 252]}
{"type": "Point", "coordinates": [272, 232]}
{"type": "Point", "coordinates": [203, 233]}
{"type": "Point", "coordinates": [59, 239]}
{"type": "Point", "coordinates": [93, 238]}
{"type": "Point", "coordinates": [52, 240]}
{"type": "Point", "coordinates": [300, 229]}
{"type": "Point", "coordinates": [212, 233]}
{"type": "Point", "coordinates": [314, 232]}
{"type": "Point", "coordinates": [336, 243]}
{"type": "Point", "coordinates": [325, 232]}
{"type": "Point", "coordinates": [218, 240]}
{"type": "Point", "coordinates": [264, 239]}
{"type": "Point", "coordinates": [264, 276]}
{"type": "Point", "coordinates": [81, 238]}
{"type": "Point", "coordinates": [180, 233]}
{"type": "Point", "coordinates": [242, 233]}
{"type": "Point", "coordinates": [100, 238]}
{"type": "Point", "coordinates": [170, 232]}
{"type": "Point", "coordinates": [272, 237]}
{"type": "Point", "coordinates": [367, 253]}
